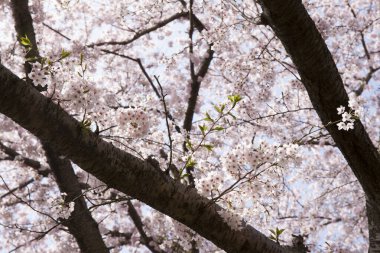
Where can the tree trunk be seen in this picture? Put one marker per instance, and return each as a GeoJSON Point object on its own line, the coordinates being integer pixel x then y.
{"type": "Point", "coordinates": [80, 224]}
{"type": "Point", "coordinates": [319, 74]}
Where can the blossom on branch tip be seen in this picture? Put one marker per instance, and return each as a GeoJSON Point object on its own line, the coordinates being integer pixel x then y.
{"type": "Point", "coordinates": [341, 109]}
{"type": "Point", "coordinates": [344, 126]}
{"type": "Point", "coordinates": [347, 117]}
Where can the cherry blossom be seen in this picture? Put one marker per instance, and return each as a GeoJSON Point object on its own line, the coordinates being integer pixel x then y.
{"type": "Point", "coordinates": [178, 126]}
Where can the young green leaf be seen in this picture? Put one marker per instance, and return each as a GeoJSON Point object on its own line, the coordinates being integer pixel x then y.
{"type": "Point", "coordinates": [65, 54]}
{"type": "Point", "coordinates": [190, 163]}
{"type": "Point", "coordinates": [209, 147]}
{"type": "Point", "coordinates": [279, 231]}
{"type": "Point", "coordinates": [81, 58]}
{"type": "Point", "coordinates": [222, 107]}
{"type": "Point", "coordinates": [234, 99]}
{"type": "Point", "coordinates": [203, 129]}
{"type": "Point", "coordinates": [218, 128]}
{"type": "Point", "coordinates": [184, 175]}
{"type": "Point", "coordinates": [208, 118]}
{"type": "Point", "coordinates": [189, 145]}
{"type": "Point", "coordinates": [218, 109]}
{"type": "Point", "coordinates": [25, 41]}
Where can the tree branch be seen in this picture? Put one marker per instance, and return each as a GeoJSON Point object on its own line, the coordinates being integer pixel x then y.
{"type": "Point", "coordinates": [81, 224]}
{"type": "Point", "coordinates": [195, 82]}
{"type": "Point", "coordinates": [142, 32]}
{"type": "Point", "coordinates": [27, 161]}
{"type": "Point", "coordinates": [145, 239]}
{"type": "Point", "coordinates": [293, 26]}
{"type": "Point", "coordinates": [121, 170]}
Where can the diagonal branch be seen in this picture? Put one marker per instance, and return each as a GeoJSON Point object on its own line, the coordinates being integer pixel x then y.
{"type": "Point", "coordinates": [184, 14]}
{"type": "Point", "coordinates": [22, 185]}
{"type": "Point", "coordinates": [145, 239]}
{"type": "Point", "coordinates": [121, 170]}
{"type": "Point", "coordinates": [141, 33]}
{"type": "Point", "coordinates": [137, 60]}
{"type": "Point", "coordinates": [12, 154]}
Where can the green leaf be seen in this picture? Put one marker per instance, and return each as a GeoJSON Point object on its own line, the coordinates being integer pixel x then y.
{"type": "Point", "coordinates": [190, 163]}
{"type": "Point", "coordinates": [217, 109]}
{"type": "Point", "coordinates": [279, 231]}
{"type": "Point", "coordinates": [81, 58]}
{"type": "Point", "coordinates": [25, 41]}
{"type": "Point", "coordinates": [189, 145]}
{"type": "Point", "coordinates": [222, 107]}
{"type": "Point", "coordinates": [184, 175]}
{"type": "Point", "coordinates": [43, 60]}
{"type": "Point", "coordinates": [218, 128]}
{"type": "Point", "coordinates": [209, 147]}
{"type": "Point", "coordinates": [87, 123]}
{"type": "Point", "coordinates": [65, 54]}
{"type": "Point", "coordinates": [208, 118]}
{"type": "Point", "coordinates": [203, 129]}
{"type": "Point", "coordinates": [234, 99]}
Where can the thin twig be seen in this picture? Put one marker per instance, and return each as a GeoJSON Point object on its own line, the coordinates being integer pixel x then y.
{"type": "Point", "coordinates": [167, 123]}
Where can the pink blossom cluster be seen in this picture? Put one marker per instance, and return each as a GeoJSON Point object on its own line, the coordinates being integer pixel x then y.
{"type": "Point", "coordinates": [39, 75]}
{"type": "Point", "coordinates": [268, 184]}
{"type": "Point", "coordinates": [135, 121]}
{"type": "Point", "coordinates": [210, 184]}
{"type": "Point", "coordinates": [59, 208]}
{"type": "Point", "coordinates": [245, 157]}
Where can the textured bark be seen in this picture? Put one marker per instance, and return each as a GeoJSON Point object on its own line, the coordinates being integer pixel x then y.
{"type": "Point", "coordinates": [23, 21]}
{"type": "Point", "coordinates": [301, 39]}
{"type": "Point", "coordinates": [144, 238]}
{"type": "Point", "coordinates": [121, 170]}
{"type": "Point", "coordinates": [195, 82]}
{"type": "Point", "coordinates": [373, 216]}
{"type": "Point", "coordinates": [80, 224]}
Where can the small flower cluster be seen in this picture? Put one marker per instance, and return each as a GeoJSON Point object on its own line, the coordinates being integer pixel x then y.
{"type": "Point", "coordinates": [185, 235]}
{"type": "Point", "coordinates": [61, 209]}
{"type": "Point", "coordinates": [244, 156]}
{"type": "Point", "coordinates": [135, 120]}
{"type": "Point", "coordinates": [287, 153]}
{"type": "Point", "coordinates": [39, 75]}
{"type": "Point", "coordinates": [82, 95]}
{"type": "Point", "coordinates": [348, 118]}
{"type": "Point", "coordinates": [212, 182]}
{"type": "Point", "coordinates": [233, 220]}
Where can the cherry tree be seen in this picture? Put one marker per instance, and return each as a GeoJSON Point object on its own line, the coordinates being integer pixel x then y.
{"type": "Point", "coordinates": [189, 126]}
